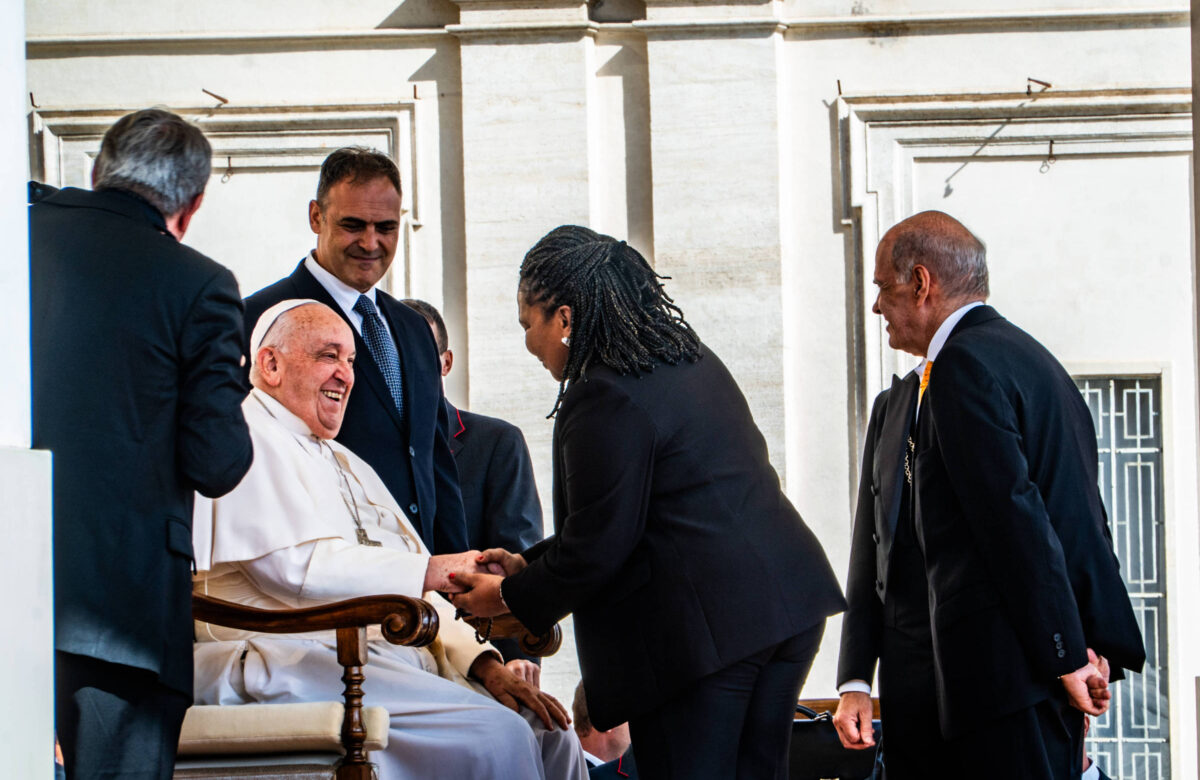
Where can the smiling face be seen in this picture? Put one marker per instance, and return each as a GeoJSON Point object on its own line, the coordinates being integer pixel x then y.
{"type": "Point", "coordinates": [311, 369]}
{"type": "Point", "coordinates": [357, 229]}
{"type": "Point", "coordinates": [544, 334]}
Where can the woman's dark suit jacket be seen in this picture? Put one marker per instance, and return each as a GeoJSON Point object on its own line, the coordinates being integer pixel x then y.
{"type": "Point", "coordinates": [674, 546]}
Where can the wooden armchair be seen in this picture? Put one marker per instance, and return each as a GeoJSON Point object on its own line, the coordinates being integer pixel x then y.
{"type": "Point", "coordinates": [260, 741]}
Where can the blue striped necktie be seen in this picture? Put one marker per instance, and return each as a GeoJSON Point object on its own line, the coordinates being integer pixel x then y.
{"type": "Point", "coordinates": [382, 349]}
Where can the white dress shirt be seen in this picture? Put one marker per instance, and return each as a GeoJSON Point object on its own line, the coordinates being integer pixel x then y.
{"type": "Point", "coordinates": [343, 294]}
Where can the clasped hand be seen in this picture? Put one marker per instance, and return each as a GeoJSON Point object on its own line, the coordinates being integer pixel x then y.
{"type": "Point", "coordinates": [442, 569]}
{"type": "Point", "coordinates": [477, 585]}
{"type": "Point", "coordinates": [1087, 686]}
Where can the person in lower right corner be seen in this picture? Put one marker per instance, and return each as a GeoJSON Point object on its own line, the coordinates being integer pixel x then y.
{"type": "Point", "coordinates": [609, 753]}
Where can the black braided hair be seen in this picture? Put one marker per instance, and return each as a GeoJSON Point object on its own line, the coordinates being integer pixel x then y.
{"type": "Point", "coordinates": [621, 316]}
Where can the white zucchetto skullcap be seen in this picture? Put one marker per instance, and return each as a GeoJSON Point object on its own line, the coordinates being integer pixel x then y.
{"type": "Point", "coordinates": [268, 319]}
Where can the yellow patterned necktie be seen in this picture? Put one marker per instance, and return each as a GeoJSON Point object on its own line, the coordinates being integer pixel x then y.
{"type": "Point", "coordinates": [924, 380]}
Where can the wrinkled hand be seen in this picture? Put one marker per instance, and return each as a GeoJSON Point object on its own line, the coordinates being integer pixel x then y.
{"type": "Point", "coordinates": [478, 594]}
{"type": "Point", "coordinates": [501, 561]}
{"type": "Point", "coordinates": [1087, 686]}
{"type": "Point", "coordinates": [437, 573]}
{"type": "Point", "coordinates": [512, 692]}
{"type": "Point", "coordinates": [853, 721]}
{"type": "Point", "coordinates": [526, 670]}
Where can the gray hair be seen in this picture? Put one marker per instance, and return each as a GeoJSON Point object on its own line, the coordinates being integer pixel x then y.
{"type": "Point", "coordinates": [954, 256]}
{"type": "Point", "coordinates": [157, 156]}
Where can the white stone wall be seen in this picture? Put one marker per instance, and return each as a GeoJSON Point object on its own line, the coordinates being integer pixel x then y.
{"type": "Point", "coordinates": [753, 150]}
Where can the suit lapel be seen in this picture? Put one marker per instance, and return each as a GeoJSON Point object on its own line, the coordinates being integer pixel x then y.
{"type": "Point", "coordinates": [365, 369]}
{"type": "Point", "coordinates": [893, 443]}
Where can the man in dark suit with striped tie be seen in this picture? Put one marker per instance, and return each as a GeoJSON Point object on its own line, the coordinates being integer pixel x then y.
{"type": "Point", "coordinates": [397, 419]}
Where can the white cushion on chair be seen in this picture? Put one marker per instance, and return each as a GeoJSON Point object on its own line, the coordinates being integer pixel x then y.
{"type": "Point", "coordinates": [274, 728]}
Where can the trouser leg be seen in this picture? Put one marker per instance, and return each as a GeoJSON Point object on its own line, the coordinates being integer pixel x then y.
{"type": "Point", "coordinates": [767, 732]}
{"type": "Point", "coordinates": [1042, 742]}
{"type": "Point", "coordinates": [700, 733]}
{"type": "Point", "coordinates": [913, 748]}
{"type": "Point", "coordinates": [115, 721]}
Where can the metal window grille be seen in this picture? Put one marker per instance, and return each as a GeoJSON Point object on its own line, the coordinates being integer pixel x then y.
{"type": "Point", "coordinates": [1132, 739]}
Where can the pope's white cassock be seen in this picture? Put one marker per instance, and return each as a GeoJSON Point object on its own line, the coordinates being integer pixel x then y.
{"type": "Point", "coordinates": [286, 537]}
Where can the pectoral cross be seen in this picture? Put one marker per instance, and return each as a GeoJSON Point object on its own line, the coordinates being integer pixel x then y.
{"type": "Point", "coordinates": [365, 540]}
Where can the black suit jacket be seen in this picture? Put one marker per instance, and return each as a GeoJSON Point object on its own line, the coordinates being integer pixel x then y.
{"type": "Point", "coordinates": [137, 391]}
{"type": "Point", "coordinates": [675, 548]}
{"type": "Point", "coordinates": [876, 518]}
{"type": "Point", "coordinates": [415, 454]}
{"type": "Point", "coordinates": [496, 476]}
{"type": "Point", "coordinates": [1021, 573]}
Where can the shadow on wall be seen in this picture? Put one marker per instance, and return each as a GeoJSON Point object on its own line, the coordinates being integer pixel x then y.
{"type": "Point", "coordinates": [421, 14]}
{"type": "Point", "coordinates": [616, 10]}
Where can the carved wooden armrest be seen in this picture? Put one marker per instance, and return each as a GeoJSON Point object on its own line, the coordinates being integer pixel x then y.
{"type": "Point", "coordinates": [508, 627]}
{"type": "Point", "coordinates": [404, 621]}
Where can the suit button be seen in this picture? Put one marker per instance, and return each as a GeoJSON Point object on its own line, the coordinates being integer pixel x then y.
{"type": "Point", "coordinates": [412, 453]}
{"type": "Point", "coordinates": [412, 508]}
{"type": "Point", "coordinates": [874, 490]}
{"type": "Point", "coordinates": [875, 538]}
{"type": "Point", "coordinates": [1058, 637]}
{"type": "Point", "coordinates": [878, 585]}
{"type": "Point", "coordinates": [1062, 653]}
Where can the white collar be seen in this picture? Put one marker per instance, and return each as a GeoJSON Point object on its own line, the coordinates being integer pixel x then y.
{"type": "Point", "coordinates": [285, 417]}
{"type": "Point", "coordinates": [592, 760]}
{"type": "Point", "coordinates": [942, 333]}
{"type": "Point", "coordinates": [345, 295]}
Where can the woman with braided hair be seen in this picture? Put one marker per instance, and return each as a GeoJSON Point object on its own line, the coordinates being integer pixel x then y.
{"type": "Point", "coordinates": [699, 595]}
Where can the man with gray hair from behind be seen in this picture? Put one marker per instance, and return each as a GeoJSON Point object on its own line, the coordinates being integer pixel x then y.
{"type": "Point", "coordinates": [137, 343]}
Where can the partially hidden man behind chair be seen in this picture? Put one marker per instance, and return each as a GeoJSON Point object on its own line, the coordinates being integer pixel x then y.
{"type": "Point", "coordinates": [495, 473]}
{"type": "Point", "coordinates": [397, 421]}
{"type": "Point", "coordinates": [982, 574]}
{"type": "Point", "coordinates": [609, 752]}
{"type": "Point", "coordinates": [313, 523]}
{"type": "Point", "coordinates": [136, 390]}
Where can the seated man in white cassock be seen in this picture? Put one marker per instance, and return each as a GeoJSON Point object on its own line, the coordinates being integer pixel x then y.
{"type": "Point", "coordinates": [312, 523]}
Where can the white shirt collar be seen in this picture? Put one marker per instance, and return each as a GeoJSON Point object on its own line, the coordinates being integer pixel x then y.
{"type": "Point", "coordinates": [942, 333]}
{"type": "Point", "coordinates": [1091, 773]}
{"type": "Point", "coordinates": [343, 294]}
{"type": "Point", "coordinates": [592, 760]}
{"type": "Point", "coordinates": [285, 417]}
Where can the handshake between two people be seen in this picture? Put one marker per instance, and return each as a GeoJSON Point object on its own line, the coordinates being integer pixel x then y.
{"type": "Point", "coordinates": [1086, 689]}
{"type": "Point", "coordinates": [471, 579]}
